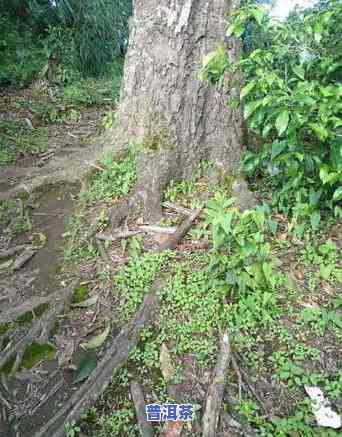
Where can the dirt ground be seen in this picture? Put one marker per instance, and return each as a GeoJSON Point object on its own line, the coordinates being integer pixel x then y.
{"type": "Point", "coordinates": [47, 210]}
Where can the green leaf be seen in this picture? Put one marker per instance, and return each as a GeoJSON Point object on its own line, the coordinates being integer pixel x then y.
{"type": "Point", "coordinates": [282, 121]}
{"type": "Point", "coordinates": [315, 219]}
{"type": "Point", "coordinates": [250, 108]}
{"type": "Point", "coordinates": [325, 271]}
{"type": "Point", "coordinates": [299, 70]}
{"type": "Point", "coordinates": [320, 131]}
{"type": "Point", "coordinates": [87, 365]}
{"type": "Point", "coordinates": [338, 194]}
{"type": "Point", "coordinates": [277, 148]}
{"type": "Point", "coordinates": [97, 341]}
{"type": "Point", "coordinates": [87, 303]}
{"type": "Point", "coordinates": [247, 89]}
{"type": "Point", "coordinates": [258, 14]}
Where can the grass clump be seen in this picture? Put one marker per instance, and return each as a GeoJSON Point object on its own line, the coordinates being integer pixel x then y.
{"type": "Point", "coordinates": [135, 279]}
{"type": "Point", "coordinates": [115, 180]}
{"type": "Point", "coordinates": [14, 218]}
{"type": "Point", "coordinates": [17, 139]}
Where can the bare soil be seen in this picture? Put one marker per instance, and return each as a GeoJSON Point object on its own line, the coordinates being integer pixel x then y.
{"type": "Point", "coordinates": [70, 152]}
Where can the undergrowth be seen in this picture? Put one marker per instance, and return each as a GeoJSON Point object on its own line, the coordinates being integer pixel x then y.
{"type": "Point", "coordinates": [239, 286]}
{"type": "Point", "coordinates": [107, 186]}
{"type": "Point", "coordinates": [16, 140]}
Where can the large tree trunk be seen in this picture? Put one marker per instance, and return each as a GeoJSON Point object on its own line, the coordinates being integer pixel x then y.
{"type": "Point", "coordinates": [165, 107]}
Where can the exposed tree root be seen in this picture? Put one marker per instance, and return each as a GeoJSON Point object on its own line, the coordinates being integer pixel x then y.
{"type": "Point", "coordinates": [178, 209]}
{"type": "Point", "coordinates": [216, 390]}
{"type": "Point", "coordinates": [60, 170]}
{"type": "Point", "coordinates": [113, 359]}
{"type": "Point", "coordinates": [25, 257]}
{"type": "Point", "coordinates": [117, 236]}
{"type": "Point", "coordinates": [39, 332]}
{"type": "Point", "coordinates": [14, 313]}
{"type": "Point", "coordinates": [145, 427]}
{"type": "Point", "coordinates": [116, 355]}
{"type": "Point", "coordinates": [180, 233]}
{"type": "Point", "coordinates": [7, 253]}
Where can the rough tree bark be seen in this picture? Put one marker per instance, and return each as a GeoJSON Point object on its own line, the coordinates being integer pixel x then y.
{"type": "Point", "coordinates": [165, 107]}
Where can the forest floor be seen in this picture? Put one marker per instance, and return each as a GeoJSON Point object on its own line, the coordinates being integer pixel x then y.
{"type": "Point", "coordinates": [284, 337]}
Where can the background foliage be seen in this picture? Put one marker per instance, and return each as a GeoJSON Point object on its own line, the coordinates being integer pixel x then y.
{"type": "Point", "coordinates": [83, 37]}
{"type": "Point", "coordinates": [292, 102]}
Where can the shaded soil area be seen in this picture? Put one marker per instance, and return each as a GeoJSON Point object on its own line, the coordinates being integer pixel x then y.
{"type": "Point", "coordinates": [36, 222]}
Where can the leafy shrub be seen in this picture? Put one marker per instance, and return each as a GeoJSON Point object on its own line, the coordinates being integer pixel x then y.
{"type": "Point", "coordinates": [16, 139]}
{"type": "Point", "coordinates": [22, 56]}
{"type": "Point", "coordinates": [91, 34]}
{"type": "Point", "coordinates": [293, 103]}
{"type": "Point", "coordinates": [116, 179]}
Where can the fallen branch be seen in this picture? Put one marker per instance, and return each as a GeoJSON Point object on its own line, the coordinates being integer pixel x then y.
{"type": "Point", "coordinates": [216, 390]}
{"type": "Point", "coordinates": [157, 229]}
{"type": "Point", "coordinates": [117, 236]}
{"type": "Point", "coordinates": [179, 209]}
{"type": "Point", "coordinates": [101, 377]}
{"type": "Point", "coordinates": [14, 313]}
{"type": "Point", "coordinates": [180, 233]}
{"type": "Point", "coordinates": [11, 251]}
{"type": "Point", "coordinates": [145, 427]}
{"type": "Point", "coordinates": [47, 396]}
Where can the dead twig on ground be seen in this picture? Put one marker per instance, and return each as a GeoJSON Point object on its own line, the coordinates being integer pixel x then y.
{"type": "Point", "coordinates": [178, 209]}
{"type": "Point", "coordinates": [157, 229]}
{"type": "Point", "coordinates": [145, 427]}
{"type": "Point", "coordinates": [253, 391]}
{"type": "Point", "coordinates": [117, 236]}
{"type": "Point", "coordinates": [216, 390]}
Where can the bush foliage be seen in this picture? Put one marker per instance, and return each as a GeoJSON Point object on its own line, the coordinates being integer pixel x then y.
{"type": "Point", "coordinates": [292, 102]}
{"type": "Point", "coordinates": [83, 37]}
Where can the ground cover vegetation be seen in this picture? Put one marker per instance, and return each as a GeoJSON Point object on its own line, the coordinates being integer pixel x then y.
{"type": "Point", "coordinates": [270, 276]}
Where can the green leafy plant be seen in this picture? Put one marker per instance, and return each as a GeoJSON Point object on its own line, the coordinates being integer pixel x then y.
{"type": "Point", "coordinates": [115, 180]}
{"type": "Point", "coordinates": [71, 429]}
{"type": "Point", "coordinates": [292, 102]}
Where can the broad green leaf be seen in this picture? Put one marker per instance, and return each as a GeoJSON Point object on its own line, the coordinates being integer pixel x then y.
{"type": "Point", "coordinates": [325, 271]}
{"type": "Point", "coordinates": [251, 107]}
{"type": "Point", "coordinates": [318, 29]}
{"type": "Point", "coordinates": [338, 194]}
{"type": "Point", "coordinates": [324, 173]}
{"type": "Point", "coordinates": [277, 148]}
{"type": "Point", "coordinates": [247, 89]}
{"type": "Point", "coordinates": [315, 219]}
{"type": "Point", "coordinates": [299, 70]}
{"type": "Point", "coordinates": [87, 365]}
{"type": "Point", "coordinates": [320, 131]}
{"type": "Point", "coordinates": [282, 121]}
{"type": "Point", "coordinates": [258, 14]}
{"type": "Point", "coordinates": [87, 303]}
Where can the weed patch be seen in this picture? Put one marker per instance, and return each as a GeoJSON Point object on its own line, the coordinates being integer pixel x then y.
{"type": "Point", "coordinates": [16, 140]}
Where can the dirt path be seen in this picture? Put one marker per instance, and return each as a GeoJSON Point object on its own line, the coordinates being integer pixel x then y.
{"type": "Point", "coordinates": [49, 182]}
